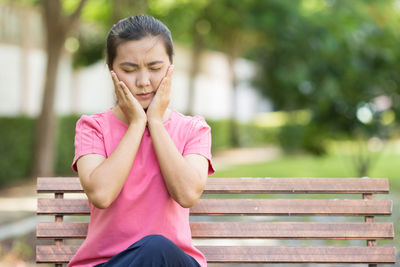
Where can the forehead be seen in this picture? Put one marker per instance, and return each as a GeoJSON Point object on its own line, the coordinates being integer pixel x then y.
{"type": "Point", "coordinates": [149, 48]}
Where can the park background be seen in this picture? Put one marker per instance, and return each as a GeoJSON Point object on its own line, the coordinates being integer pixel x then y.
{"type": "Point", "coordinates": [300, 88]}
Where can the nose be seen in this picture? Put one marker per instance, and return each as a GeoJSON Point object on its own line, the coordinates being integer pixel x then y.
{"type": "Point", "coordinates": [143, 79]}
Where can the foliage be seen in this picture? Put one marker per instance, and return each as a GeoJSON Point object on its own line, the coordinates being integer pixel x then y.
{"type": "Point", "coordinates": [65, 144]}
{"type": "Point", "coordinates": [329, 165]}
{"type": "Point", "coordinates": [220, 133]}
{"type": "Point", "coordinates": [339, 60]}
{"type": "Point", "coordinates": [16, 148]}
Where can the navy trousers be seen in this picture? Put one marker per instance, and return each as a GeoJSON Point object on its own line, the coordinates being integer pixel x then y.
{"type": "Point", "coordinates": [152, 251]}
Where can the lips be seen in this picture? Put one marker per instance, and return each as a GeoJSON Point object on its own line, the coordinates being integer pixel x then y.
{"type": "Point", "coordinates": [145, 96]}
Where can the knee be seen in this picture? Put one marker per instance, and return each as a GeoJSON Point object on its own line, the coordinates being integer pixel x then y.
{"type": "Point", "coordinates": [158, 244]}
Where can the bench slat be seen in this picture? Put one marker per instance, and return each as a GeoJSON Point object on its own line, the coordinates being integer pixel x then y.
{"type": "Point", "coordinates": [285, 207]}
{"type": "Point", "coordinates": [247, 254]}
{"type": "Point", "coordinates": [276, 230]}
{"type": "Point", "coordinates": [61, 230]}
{"type": "Point", "coordinates": [297, 185]}
{"type": "Point", "coordinates": [250, 185]}
{"type": "Point", "coordinates": [292, 207]}
{"type": "Point", "coordinates": [292, 230]}
{"type": "Point", "coordinates": [228, 254]}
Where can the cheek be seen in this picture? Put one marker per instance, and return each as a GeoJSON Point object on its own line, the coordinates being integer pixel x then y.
{"type": "Point", "coordinates": [156, 78]}
{"type": "Point", "coordinates": [126, 78]}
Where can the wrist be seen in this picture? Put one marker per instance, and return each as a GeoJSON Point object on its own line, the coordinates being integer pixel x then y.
{"type": "Point", "coordinates": [154, 122]}
{"type": "Point", "coordinates": [138, 124]}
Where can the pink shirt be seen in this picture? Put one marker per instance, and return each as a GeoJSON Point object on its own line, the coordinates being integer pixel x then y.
{"type": "Point", "coordinates": [144, 205]}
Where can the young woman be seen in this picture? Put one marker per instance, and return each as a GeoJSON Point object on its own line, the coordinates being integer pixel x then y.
{"type": "Point", "coordinates": [141, 164]}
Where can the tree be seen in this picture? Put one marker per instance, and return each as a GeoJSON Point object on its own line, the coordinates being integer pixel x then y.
{"type": "Point", "coordinates": [338, 60]}
{"type": "Point", "coordinates": [188, 24]}
{"type": "Point", "coordinates": [233, 33]}
{"type": "Point", "coordinates": [57, 27]}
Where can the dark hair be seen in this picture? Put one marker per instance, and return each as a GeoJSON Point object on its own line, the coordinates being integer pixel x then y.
{"type": "Point", "coordinates": [136, 28]}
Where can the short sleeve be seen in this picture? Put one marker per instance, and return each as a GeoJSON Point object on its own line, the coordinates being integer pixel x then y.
{"type": "Point", "coordinates": [199, 141]}
{"type": "Point", "coordinates": [88, 139]}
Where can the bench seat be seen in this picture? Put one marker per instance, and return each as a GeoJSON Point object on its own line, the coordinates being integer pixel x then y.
{"type": "Point", "coordinates": [285, 208]}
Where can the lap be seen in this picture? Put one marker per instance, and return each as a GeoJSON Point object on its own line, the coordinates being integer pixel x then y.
{"type": "Point", "coordinates": [152, 250]}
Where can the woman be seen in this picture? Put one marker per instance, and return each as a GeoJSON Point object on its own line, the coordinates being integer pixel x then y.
{"type": "Point", "coordinates": [141, 164]}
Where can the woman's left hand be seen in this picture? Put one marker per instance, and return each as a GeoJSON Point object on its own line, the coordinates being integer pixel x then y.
{"type": "Point", "coordinates": [159, 104]}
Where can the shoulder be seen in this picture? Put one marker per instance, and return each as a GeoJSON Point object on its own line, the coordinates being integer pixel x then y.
{"type": "Point", "coordinates": [190, 126]}
{"type": "Point", "coordinates": [190, 122]}
{"type": "Point", "coordinates": [94, 121]}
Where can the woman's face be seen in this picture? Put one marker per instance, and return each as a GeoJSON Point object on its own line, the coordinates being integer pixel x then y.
{"type": "Point", "coordinates": [141, 65]}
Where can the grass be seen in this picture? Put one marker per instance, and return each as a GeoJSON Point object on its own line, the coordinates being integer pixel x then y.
{"type": "Point", "coordinates": [332, 165]}
{"type": "Point", "coordinates": [338, 163]}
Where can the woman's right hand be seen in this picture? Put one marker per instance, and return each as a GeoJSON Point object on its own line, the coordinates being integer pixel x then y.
{"type": "Point", "coordinates": [131, 108]}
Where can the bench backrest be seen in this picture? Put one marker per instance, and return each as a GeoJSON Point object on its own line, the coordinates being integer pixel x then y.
{"type": "Point", "coordinates": [223, 213]}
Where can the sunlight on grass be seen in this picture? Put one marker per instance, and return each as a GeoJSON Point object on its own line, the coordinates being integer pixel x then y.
{"type": "Point", "coordinates": [334, 165]}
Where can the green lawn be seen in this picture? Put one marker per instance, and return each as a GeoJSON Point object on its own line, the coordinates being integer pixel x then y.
{"type": "Point", "coordinates": [334, 165]}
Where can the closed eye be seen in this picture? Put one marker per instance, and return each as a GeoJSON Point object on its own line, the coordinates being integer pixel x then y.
{"type": "Point", "coordinates": [128, 71]}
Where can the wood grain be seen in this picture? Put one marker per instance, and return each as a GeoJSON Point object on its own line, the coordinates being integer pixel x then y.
{"type": "Point", "coordinates": [257, 254]}
{"type": "Point", "coordinates": [250, 185]}
{"type": "Point", "coordinates": [271, 230]}
{"type": "Point", "coordinates": [276, 207]}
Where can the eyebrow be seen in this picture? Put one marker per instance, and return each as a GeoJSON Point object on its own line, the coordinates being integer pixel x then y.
{"type": "Point", "coordinates": [130, 64]}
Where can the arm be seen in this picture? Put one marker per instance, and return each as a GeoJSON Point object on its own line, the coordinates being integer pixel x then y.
{"type": "Point", "coordinates": [186, 176]}
{"type": "Point", "coordinates": [101, 178]}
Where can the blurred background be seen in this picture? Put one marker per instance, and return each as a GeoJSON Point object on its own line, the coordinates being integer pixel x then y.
{"type": "Point", "coordinates": [300, 88]}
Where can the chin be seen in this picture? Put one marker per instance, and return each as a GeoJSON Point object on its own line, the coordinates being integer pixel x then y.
{"type": "Point", "coordinates": [145, 105]}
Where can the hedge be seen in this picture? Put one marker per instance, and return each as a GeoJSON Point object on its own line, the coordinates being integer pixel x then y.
{"type": "Point", "coordinates": [16, 148]}
{"type": "Point", "coordinates": [17, 135]}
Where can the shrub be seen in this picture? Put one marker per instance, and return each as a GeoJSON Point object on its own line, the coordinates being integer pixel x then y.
{"type": "Point", "coordinates": [16, 148]}
{"type": "Point", "coordinates": [65, 144]}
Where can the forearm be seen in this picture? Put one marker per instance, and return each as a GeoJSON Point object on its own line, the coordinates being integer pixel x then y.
{"type": "Point", "coordinates": [183, 181]}
{"type": "Point", "coordinates": [107, 180]}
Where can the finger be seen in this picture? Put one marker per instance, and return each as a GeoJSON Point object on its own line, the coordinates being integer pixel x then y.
{"type": "Point", "coordinates": [121, 95]}
{"type": "Point", "coordinates": [116, 86]}
{"type": "Point", "coordinates": [167, 84]}
{"type": "Point", "coordinates": [114, 78]}
{"type": "Point", "coordinates": [126, 92]}
{"type": "Point", "coordinates": [163, 85]}
{"type": "Point", "coordinates": [166, 80]}
{"type": "Point", "coordinates": [170, 71]}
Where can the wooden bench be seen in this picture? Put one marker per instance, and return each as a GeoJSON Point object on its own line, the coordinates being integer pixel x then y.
{"type": "Point", "coordinates": [345, 225]}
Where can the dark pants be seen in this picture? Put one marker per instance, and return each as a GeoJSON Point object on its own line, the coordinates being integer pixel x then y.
{"type": "Point", "coordinates": [152, 251]}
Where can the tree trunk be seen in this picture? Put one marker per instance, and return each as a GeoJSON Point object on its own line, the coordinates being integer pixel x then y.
{"type": "Point", "coordinates": [233, 123]}
{"type": "Point", "coordinates": [197, 48]}
{"type": "Point", "coordinates": [46, 125]}
{"type": "Point", "coordinates": [57, 27]}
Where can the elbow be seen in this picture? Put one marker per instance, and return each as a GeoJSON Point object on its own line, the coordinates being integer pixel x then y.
{"type": "Point", "coordinates": [100, 204]}
{"type": "Point", "coordinates": [99, 200]}
{"type": "Point", "coordinates": [187, 203]}
{"type": "Point", "coordinates": [191, 196]}
{"type": "Point", "coordinates": [189, 199]}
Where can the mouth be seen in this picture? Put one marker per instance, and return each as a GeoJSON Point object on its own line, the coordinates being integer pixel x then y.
{"type": "Point", "coordinates": [145, 96]}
